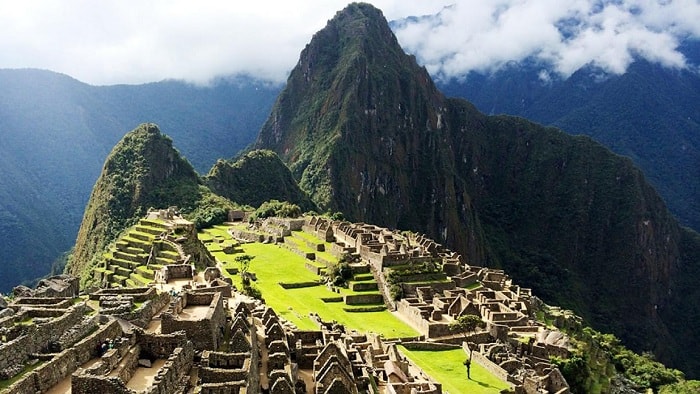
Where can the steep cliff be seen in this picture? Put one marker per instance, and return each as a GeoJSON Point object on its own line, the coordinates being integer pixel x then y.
{"type": "Point", "coordinates": [143, 170]}
{"type": "Point", "coordinates": [365, 132]}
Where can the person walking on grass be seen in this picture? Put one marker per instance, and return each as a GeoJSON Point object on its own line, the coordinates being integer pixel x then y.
{"type": "Point", "coordinates": [468, 363]}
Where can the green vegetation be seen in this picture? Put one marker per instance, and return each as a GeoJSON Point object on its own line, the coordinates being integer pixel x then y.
{"type": "Point", "coordinates": [276, 208]}
{"type": "Point", "coordinates": [447, 367]}
{"type": "Point", "coordinates": [255, 178]}
{"type": "Point", "coordinates": [143, 170]}
{"type": "Point", "coordinates": [467, 324]}
{"type": "Point", "coordinates": [598, 357]}
{"type": "Point", "coordinates": [273, 264]}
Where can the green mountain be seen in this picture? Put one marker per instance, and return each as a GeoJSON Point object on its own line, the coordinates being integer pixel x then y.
{"type": "Point", "coordinates": [55, 133]}
{"type": "Point", "coordinates": [254, 178]}
{"type": "Point", "coordinates": [143, 170]}
{"type": "Point", "coordinates": [650, 114]}
{"type": "Point", "coordinates": [365, 131]}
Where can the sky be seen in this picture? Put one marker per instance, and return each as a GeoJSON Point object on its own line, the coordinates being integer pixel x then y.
{"type": "Point", "coordinates": [130, 42]}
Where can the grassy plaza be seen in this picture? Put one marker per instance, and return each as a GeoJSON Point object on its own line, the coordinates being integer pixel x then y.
{"type": "Point", "coordinates": [446, 367]}
{"type": "Point", "coordinates": [273, 264]}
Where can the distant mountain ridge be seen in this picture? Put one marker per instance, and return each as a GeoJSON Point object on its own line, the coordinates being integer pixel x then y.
{"type": "Point", "coordinates": [366, 132]}
{"type": "Point", "coordinates": [55, 133]}
{"type": "Point", "coordinates": [650, 114]}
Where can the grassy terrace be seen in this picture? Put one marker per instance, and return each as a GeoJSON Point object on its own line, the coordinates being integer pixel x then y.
{"type": "Point", "coordinates": [273, 264]}
{"type": "Point", "coordinates": [446, 367]}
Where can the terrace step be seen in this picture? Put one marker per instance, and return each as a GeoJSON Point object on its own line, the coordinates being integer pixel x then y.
{"type": "Point", "coordinates": [142, 236]}
{"type": "Point", "coordinates": [145, 246]}
{"type": "Point", "coordinates": [363, 277]}
{"type": "Point", "coordinates": [364, 286]}
{"type": "Point", "coordinates": [145, 272]}
{"type": "Point", "coordinates": [360, 269]}
{"type": "Point", "coordinates": [150, 230]}
{"type": "Point", "coordinates": [132, 250]}
{"type": "Point", "coordinates": [154, 224]}
{"type": "Point", "coordinates": [165, 260]}
{"type": "Point", "coordinates": [119, 279]}
{"type": "Point", "coordinates": [139, 280]}
{"type": "Point", "coordinates": [121, 271]}
{"type": "Point", "coordinates": [130, 265]}
{"type": "Point", "coordinates": [137, 258]}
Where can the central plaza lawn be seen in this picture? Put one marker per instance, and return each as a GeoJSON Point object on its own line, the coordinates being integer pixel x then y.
{"type": "Point", "coordinates": [446, 367]}
{"type": "Point", "coordinates": [274, 264]}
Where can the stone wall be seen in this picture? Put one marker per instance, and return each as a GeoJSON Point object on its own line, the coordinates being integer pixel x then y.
{"type": "Point", "coordinates": [44, 302]}
{"type": "Point", "coordinates": [220, 375]}
{"type": "Point", "coordinates": [77, 332]}
{"type": "Point", "coordinates": [206, 332]}
{"type": "Point", "coordinates": [159, 346]}
{"type": "Point", "coordinates": [13, 354]}
{"type": "Point", "coordinates": [176, 271]}
{"type": "Point", "coordinates": [64, 363]}
{"type": "Point", "coordinates": [429, 346]}
{"type": "Point", "coordinates": [248, 236]}
{"type": "Point", "coordinates": [90, 384]}
{"type": "Point", "coordinates": [438, 287]}
{"type": "Point", "coordinates": [489, 365]}
{"type": "Point", "coordinates": [143, 315]}
{"type": "Point", "coordinates": [224, 388]}
{"type": "Point", "coordinates": [363, 299]}
{"type": "Point", "coordinates": [139, 294]}
{"type": "Point", "coordinates": [173, 376]}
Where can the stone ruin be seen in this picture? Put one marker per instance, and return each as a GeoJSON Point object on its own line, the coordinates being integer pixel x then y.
{"type": "Point", "coordinates": [432, 301]}
{"type": "Point", "coordinates": [212, 338]}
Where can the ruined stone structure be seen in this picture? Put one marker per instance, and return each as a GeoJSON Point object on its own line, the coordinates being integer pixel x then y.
{"type": "Point", "coordinates": [207, 336]}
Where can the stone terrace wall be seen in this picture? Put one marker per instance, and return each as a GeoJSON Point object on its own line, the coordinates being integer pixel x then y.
{"type": "Point", "coordinates": [173, 376]}
{"type": "Point", "coordinates": [225, 388]}
{"type": "Point", "coordinates": [44, 302]}
{"type": "Point", "coordinates": [160, 345]}
{"type": "Point", "coordinates": [63, 364]}
{"type": "Point", "coordinates": [143, 315]}
{"type": "Point", "coordinates": [139, 294]}
{"type": "Point", "coordinates": [13, 354]}
{"type": "Point", "coordinates": [205, 333]}
{"type": "Point", "coordinates": [177, 271]}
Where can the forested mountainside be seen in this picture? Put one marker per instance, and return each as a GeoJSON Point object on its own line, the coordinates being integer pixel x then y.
{"type": "Point", "coordinates": [55, 133]}
{"type": "Point", "coordinates": [254, 178]}
{"type": "Point", "coordinates": [366, 132]}
{"type": "Point", "coordinates": [144, 170]}
{"type": "Point", "coordinates": [650, 114]}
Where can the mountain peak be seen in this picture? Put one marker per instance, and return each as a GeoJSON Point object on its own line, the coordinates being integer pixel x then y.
{"type": "Point", "coordinates": [352, 81]}
{"type": "Point", "coordinates": [143, 169]}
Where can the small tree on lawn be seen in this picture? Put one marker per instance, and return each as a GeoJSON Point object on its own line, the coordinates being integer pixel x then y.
{"type": "Point", "coordinates": [467, 324]}
{"type": "Point", "coordinates": [244, 262]}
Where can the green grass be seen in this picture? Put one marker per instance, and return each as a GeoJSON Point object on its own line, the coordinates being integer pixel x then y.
{"type": "Point", "coordinates": [446, 367]}
{"type": "Point", "coordinates": [273, 264]}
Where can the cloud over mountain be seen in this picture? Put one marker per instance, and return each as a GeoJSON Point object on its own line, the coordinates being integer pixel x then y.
{"type": "Point", "coordinates": [110, 41]}
{"type": "Point", "coordinates": [563, 35]}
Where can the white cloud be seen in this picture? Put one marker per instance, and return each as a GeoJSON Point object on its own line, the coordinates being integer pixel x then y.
{"type": "Point", "coordinates": [566, 35]}
{"type": "Point", "coordinates": [120, 41]}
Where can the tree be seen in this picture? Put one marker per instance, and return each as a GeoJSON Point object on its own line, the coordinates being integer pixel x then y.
{"type": "Point", "coordinates": [467, 324]}
{"type": "Point", "coordinates": [244, 262]}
